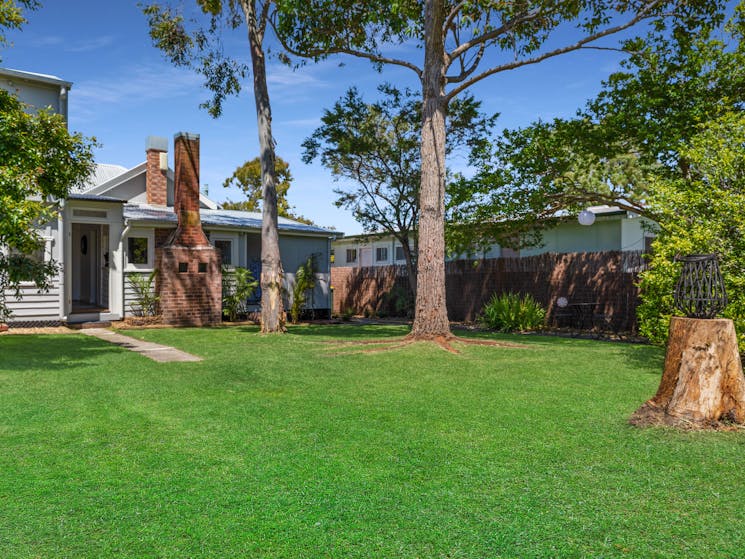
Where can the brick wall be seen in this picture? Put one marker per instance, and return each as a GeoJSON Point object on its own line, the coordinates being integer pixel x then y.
{"type": "Point", "coordinates": [190, 285]}
{"type": "Point", "coordinates": [606, 278]}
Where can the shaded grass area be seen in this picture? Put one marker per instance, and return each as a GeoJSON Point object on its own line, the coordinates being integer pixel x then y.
{"type": "Point", "coordinates": [291, 447]}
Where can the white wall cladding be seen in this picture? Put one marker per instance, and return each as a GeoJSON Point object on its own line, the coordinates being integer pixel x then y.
{"type": "Point", "coordinates": [130, 295]}
{"type": "Point", "coordinates": [35, 306]}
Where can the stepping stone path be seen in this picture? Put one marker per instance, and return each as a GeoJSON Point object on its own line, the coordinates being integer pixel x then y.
{"type": "Point", "coordinates": [156, 352]}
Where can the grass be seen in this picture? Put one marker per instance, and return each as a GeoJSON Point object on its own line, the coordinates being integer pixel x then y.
{"type": "Point", "coordinates": [291, 447]}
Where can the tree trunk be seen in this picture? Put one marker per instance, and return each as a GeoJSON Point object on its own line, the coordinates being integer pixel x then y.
{"type": "Point", "coordinates": [702, 383]}
{"type": "Point", "coordinates": [430, 317]}
{"type": "Point", "coordinates": [272, 308]}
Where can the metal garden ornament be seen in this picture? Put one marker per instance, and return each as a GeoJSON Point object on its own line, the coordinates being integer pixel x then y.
{"type": "Point", "coordinates": [700, 291]}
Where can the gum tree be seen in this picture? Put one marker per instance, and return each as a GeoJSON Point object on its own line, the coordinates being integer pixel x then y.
{"type": "Point", "coordinates": [201, 48]}
{"type": "Point", "coordinates": [450, 46]}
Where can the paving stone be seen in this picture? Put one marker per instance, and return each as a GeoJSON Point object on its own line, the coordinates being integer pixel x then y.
{"type": "Point", "coordinates": [156, 352]}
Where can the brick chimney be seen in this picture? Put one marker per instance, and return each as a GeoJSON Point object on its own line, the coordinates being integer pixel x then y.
{"type": "Point", "coordinates": [189, 278]}
{"type": "Point", "coordinates": [156, 182]}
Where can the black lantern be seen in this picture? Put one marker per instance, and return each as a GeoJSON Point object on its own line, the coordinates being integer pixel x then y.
{"type": "Point", "coordinates": [700, 290]}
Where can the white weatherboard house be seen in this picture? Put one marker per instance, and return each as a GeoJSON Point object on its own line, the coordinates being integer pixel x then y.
{"type": "Point", "coordinates": [109, 230]}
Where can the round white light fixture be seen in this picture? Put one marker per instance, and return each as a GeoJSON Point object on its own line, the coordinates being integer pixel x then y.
{"type": "Point", "coordinates": [586, 217]}
{"type": "Point", "coordinates": [562, 302]}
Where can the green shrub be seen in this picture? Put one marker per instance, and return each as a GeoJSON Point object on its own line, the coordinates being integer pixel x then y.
{"type": "Point", "coordinates": [512, 312]}
{"type": "Point", "coordinates": [237, 286]}
{"type": "Point", "coordinates": [145, 298]}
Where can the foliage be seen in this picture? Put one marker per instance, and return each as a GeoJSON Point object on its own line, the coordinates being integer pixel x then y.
{"type": "Point", "coordinates": [670, 85]}
{"type": "Point", "coordinates": [305, 280]}
{"type": "Point", "coordinates": [698, 216]}
{"type": "Point", "coordinates": [376, 148]}
{"type": "Point", "coordinates": [247, 177]}
{"type": "Point", "coordinates": [512, 312]}
{"type": "Point", "coordinates": [146, 298]}
{"type": "Point", "coordinates": [12, 16]}
{"type": "Point", "coordinates": [40, 161]}
{"type": "Point", "coordinates": [238, 284]}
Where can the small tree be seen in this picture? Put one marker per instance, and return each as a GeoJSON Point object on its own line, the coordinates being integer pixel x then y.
{"type": "Point", "coordinates": [376, 146]}
{"type": "Point", "coordinates": [305, 281]}
{"type": "Point", "coordinates": [237, 287]}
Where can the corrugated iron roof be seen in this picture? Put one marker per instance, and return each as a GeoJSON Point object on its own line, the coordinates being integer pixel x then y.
{"type": "Point", "coordinates": [94, 198]}
{"type": "Point", "coordinates": [220, 218]}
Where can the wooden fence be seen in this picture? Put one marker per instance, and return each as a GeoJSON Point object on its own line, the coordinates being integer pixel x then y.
{"type": "Point", "coordinates": [608, 279]}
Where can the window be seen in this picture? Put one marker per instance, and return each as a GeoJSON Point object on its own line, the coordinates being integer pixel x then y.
{"type": "Point", "coordinates": [400, 253]}
{"type": "Point", "coordinates": [351, 255]}
{"type": "Point", "coordinates": [27, 263]}
{"type": "Point", "coordinates": [137, 250]}
{"type": "Point", "coordinates": [381, 254]}
{"type": "Point", "coordinates": [226, 250]}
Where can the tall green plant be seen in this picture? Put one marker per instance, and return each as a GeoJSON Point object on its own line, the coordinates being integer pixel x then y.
{"type": "Point", "coordinates": [512, 312]}
{"type": "Point", "coordinates": [305, 281]}
{"type": "Point", "coordinates": [237, 287]}
{"type": "Point", "coordinates": [146, 299]}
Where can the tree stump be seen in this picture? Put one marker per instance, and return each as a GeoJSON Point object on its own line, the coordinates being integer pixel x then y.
{"type": "Point", "coordinates": [702, 384]}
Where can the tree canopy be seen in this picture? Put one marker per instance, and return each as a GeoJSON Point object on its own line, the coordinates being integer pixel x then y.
{"type": "Point", "coordinates": [638, 127]}
{"type": "Point", "coordinates": [248, 178]}
{"type": "Point", "coordinates": [39, 163]}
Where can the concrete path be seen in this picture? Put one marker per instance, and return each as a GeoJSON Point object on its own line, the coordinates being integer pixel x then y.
{"type": "Point", "coordinates": [156, 352]}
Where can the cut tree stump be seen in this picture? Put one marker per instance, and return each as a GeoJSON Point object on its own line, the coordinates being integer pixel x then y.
{"type": "Point", "coordinates": [702, 384]}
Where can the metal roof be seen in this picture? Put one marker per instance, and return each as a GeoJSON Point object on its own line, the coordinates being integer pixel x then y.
{"type": "Point", "coordinates": [95, 198]}
{"type": "Point", "coordinates": [33, 76]}
{"type": "Point", "coordinates": [221, 218]}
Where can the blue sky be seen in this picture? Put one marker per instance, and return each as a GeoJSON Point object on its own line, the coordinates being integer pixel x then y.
{"type": "Point", "coordinates": [123, 90]}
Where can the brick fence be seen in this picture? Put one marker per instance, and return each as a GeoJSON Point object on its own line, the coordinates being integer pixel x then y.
{"type": "Point", "coordinates": [606, 278]}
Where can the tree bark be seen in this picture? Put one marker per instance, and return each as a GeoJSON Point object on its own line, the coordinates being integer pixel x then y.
{"type": "Point", "coordinates": [272, 307]}
{"type": "Point", "coordinates": [430, 317]}
{"type": "Point", "coordinates": [702, 383]}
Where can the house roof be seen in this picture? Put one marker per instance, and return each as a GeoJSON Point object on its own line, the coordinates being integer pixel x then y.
{"type": "Point", "coordinates": [33, 76]}
{"type": "Point", "coordinates": [220, 218]}
{"type": "Point", "coordinates": [95, 198]}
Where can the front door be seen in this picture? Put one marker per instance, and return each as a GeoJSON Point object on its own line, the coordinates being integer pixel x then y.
{"type": "Point", "coordinates": [89, 268]}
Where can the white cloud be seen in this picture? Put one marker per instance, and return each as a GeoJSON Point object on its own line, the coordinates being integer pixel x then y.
{"type": "Point", "coordinates": [90, 44]}
{"type": "Point", "coordinates": [131, 86]}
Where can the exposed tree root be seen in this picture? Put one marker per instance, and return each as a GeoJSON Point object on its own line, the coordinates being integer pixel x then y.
{"type": "Point", "coordinates": [652, 415]}
{"type": "Point", "coordinates": [443, 342]}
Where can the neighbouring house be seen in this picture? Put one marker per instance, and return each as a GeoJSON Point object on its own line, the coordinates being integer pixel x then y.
{"type": "Point", "coordinates": [128, 222]}
{"type": "Point", "coordinates": [613, 230]}
{"type": "Point", "coordinates": [38, 91]}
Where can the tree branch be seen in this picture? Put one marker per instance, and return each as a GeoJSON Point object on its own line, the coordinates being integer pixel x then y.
{"type": "Point", "coordinates": [643, 14]}
{"type": "Point", "coordinates": [468, 71]}
{"type": "Point", "coordinates": [314, 53]}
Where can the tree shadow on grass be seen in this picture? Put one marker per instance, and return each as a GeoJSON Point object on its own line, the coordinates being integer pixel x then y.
{"type": "Point", "coordinates": [647, 358]}
{"type": "Point", "coordinates": [350, 332]}
{"type": "Point", "coordinates": [22, 353]}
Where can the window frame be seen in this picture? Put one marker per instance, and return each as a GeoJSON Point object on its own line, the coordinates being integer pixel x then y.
{"type": "Point", "coordinates": [378, 251]}
{"type": "Point", "coordinates": [148, 234]}
{"type": "Point", "coordinates": [233, 239]}
{"type": "Point", "coordinates": [354, 252]}
{"type": "Point", "coordinates": [403, 254]}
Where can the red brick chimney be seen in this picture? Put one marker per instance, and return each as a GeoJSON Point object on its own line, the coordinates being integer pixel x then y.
{"type": "Point", "coordinates": [186, 192]}
{"type": "Point", "coordinates": [156, 182]}
{"type": "Point", "coordinates": [189, 278]}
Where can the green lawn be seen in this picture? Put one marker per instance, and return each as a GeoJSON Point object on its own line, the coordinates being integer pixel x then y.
{"type": "Point", "coordinates": [289, 447]}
